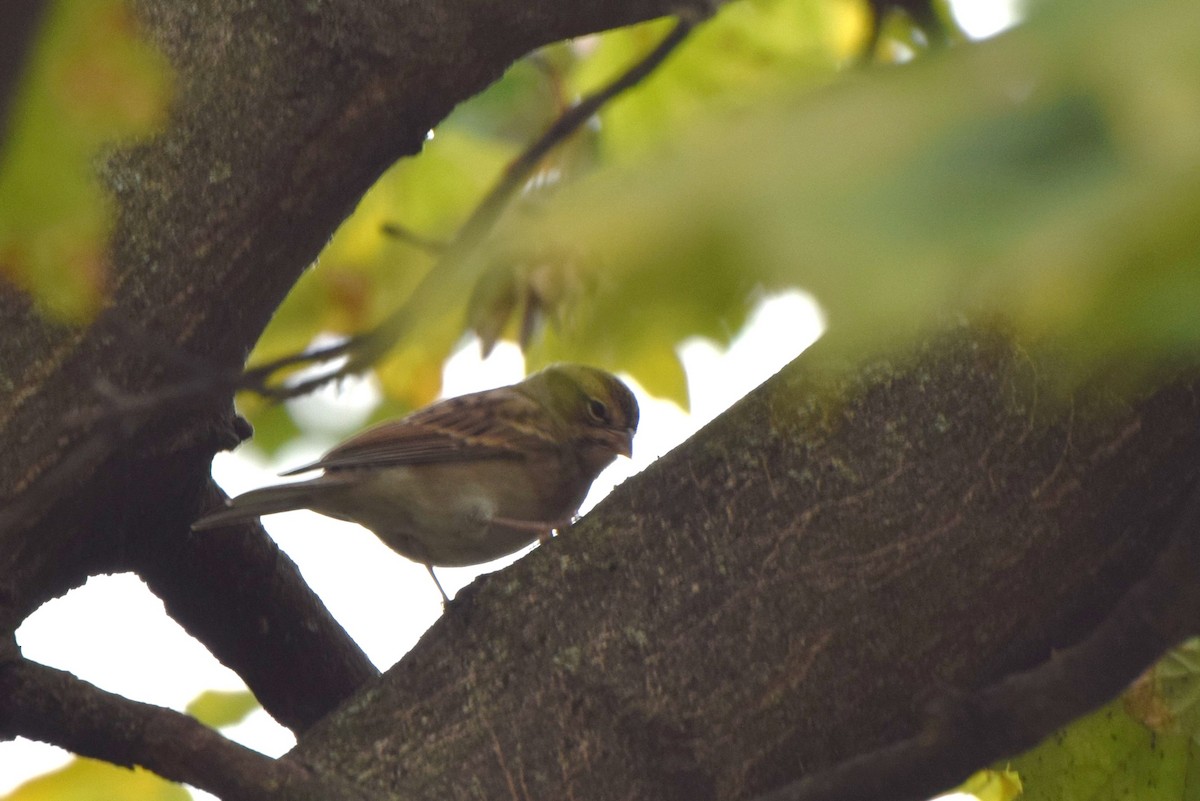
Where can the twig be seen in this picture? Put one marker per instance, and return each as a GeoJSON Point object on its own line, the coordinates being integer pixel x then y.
{"type": "Point", "coordinates": [433, 246]}
{"type": "Point", "coordinates": [967, 731]}
{"type": "Point", "coordinates": [45, 704]}
{"type": "Point", "coordinates": [365, 348]}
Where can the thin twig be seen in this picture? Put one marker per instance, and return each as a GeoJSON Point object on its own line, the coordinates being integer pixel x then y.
{"type": "Point", "coordinates": [53, 706]}
{"type": "Point", "coordinates": [428, 244]}
{"type": "Point", "coordinates": [365, 348]}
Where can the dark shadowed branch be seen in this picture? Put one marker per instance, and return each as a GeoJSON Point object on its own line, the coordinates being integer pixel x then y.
{"type": "Point", "coordinates": [18, 23]}
{"type": "Point", "coordinates": [53, 706]}
{"type": "Point", "coordinates": [967, 731]}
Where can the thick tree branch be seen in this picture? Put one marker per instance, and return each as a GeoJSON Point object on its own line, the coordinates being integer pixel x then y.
{"type": "Point", "coordinates": [794, 586]}
{"type": "Point", "coordinates": [284, 116]}
{"type": "Point", "coordinates": [967, 731]}
{"type": "Point", "coordinates": [265, 585]}
{"type": "Point", "coordinates": [53, 706]}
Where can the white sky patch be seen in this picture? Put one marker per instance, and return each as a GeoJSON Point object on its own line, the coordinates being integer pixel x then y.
{"type": "Point", "coordinates": [981, 20]}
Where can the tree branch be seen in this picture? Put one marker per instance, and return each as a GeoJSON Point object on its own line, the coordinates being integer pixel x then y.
{"type": "Point", "coordinates": [273, 138]}
{"type": "Point", "coordinates": [45, 704]}
{"type": "Point", "coordinates": [364, 349]}
{"type": "Point", "coordinates": [968, 731]}
{"type": "Point", "coordinates": [278, 622]}
{"type": "Point", "coordinates": [794, 586]}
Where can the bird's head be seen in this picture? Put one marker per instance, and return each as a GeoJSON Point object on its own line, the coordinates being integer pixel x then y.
{"type": "Point", "coordinates": [598, 411]}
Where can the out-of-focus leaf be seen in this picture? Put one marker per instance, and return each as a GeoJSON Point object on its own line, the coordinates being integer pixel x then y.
{"type": "Point", "coordinates": [91, 81]}
{"type": "Point", "coordinates": [992, 785]}
{"type": "Point", "coordinates": [520, 105]}
{"type": "Point", "coordinates": [1166, 698]}
{"type": "Point", "coordinates": [364, 274]}
{"type": "Point", "coordinates": [529, 292]}
{"type": "Point", "coordinates": [1049, 177]}
{"type": "Point", "coordinates": [218, 708]}
{"type": "Point", "coordinates": [1107, 756]}
{"type": "Point", "coordinates": [89, 780]}
{"type": "Point", "coordinates": [747, 53]}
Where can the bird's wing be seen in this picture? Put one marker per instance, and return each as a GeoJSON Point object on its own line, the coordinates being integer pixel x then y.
{"type": "Point", "coordinates": [497, 424]}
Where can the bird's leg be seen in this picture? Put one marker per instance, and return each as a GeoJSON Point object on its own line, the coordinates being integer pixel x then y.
{"type": "Point", "coordinates": [543, 528]}
{"type": "Point", "coordinates": [432, 575]}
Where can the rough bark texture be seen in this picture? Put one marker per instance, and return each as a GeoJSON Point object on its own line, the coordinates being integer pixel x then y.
{"type": "Point", "coordinates": [285, 114]}
{"type": "Point", "coordinates": [784, 591]}
{"type": "Point", "coordinates": [788, 589]}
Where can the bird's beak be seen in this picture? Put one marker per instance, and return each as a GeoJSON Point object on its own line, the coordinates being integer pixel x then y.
{"type": "Point", "coordinates": [624, 443]}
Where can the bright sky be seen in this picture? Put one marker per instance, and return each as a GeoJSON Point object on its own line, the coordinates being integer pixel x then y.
{"type": "Point", "coordinates": [148, 657]}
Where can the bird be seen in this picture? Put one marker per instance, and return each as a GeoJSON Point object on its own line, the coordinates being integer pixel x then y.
{"type": "Point", "coordinates": [467, 479]}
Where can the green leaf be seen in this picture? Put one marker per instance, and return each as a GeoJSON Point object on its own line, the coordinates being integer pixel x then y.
{"type": "Point", "coordinates": [219, 708]}
{"type": "Point", "coordinates": [273, 424]}
{"type": "Point", "coordinates": [1043, 178]}
{"type": "Point", "coordinates": [746, 54]}
{"type": "Point", "coordinates": [89, 780]}
{"type": "Point", "coordinates": [1108, 755]}
{"type": "Point", "coordinates": [992, 785]}
{"type": "Point", "coordinates": [90, 83]}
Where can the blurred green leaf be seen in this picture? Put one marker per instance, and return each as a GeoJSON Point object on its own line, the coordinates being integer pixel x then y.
{"type": "Point", "coordinates": [364, 274]}
{"type": "Point", "coordinates": [90, 82]}
{"type": "Point", "coordinates": [992, 785]}
{"type": "Point", "coordinates": [1049, 177]}
{"type": "Point", "coordinates": [1166, 698]}
{"type": "Point", "coordinates": [520, 105]}
{"type": "Point", "coordinates": [746, 55]}
{"type": "Point", "coordinates": [1108, 755]}
{"type": "Point", "coordinates": [219, 708]}
{"type": "Point", "coordinates": [89, 780]}
{"type": "Point", "coordinates": [273, 424]}
{"type": "Point", "coordinates": [748, 50]}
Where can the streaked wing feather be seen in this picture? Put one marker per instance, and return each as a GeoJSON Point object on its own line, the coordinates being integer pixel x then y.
{"type": "Point", "coordinates": [456, 429]}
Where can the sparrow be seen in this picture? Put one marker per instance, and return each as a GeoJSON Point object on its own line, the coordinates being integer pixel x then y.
{"type": "Point", "coordinates": [467, 479]}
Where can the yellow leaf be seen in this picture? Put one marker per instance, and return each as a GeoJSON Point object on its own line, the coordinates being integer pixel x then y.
{"type": "Point", "coordinates": [91, 780]}
{"type": "Point", "coordinates": [219, 708]}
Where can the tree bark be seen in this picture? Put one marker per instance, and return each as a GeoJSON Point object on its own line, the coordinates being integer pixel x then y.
{"type": "Point", "coordinates": [285, 114]}
{"type": "Point", "coordinates": [798, 585]}
{"type": "Point", "coordinates": [789, 589]}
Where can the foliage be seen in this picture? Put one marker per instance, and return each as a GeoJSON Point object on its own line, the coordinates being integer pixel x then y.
{"type": "Point", "coordinates": [89, 780]}
{"type": "Point", "coordinates": [1145, 745]}
{"type": "Point", "coordinates": [1048, 178]}
{"type": "Point", "coordinates": [743, 56]}
{"type": "Point", "coordinates": [218, 708]}
{"type": "Point", "coordinates": [992, 785]}
{"type": "Point", "coordinates": [90, 82]}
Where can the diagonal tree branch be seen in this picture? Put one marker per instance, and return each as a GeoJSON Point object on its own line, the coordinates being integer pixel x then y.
{"type": "Point", "coordinates": [796, 584]}
{"type": "Point", "coordinates": [45, 704]}
{"type": "Point", "coordinates": [273, 138]}
{"type": "Point", "coordinates": [273, 601]}
{"type": "Point", "coordinates": [968, 731]}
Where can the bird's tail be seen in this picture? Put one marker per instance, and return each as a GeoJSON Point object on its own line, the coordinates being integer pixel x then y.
{"type": "Point", "coordinates": [265, 501]}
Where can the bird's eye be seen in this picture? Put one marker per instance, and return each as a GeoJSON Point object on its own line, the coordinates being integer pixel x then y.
{"type": "Point", "coordinates": [598, 410]}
